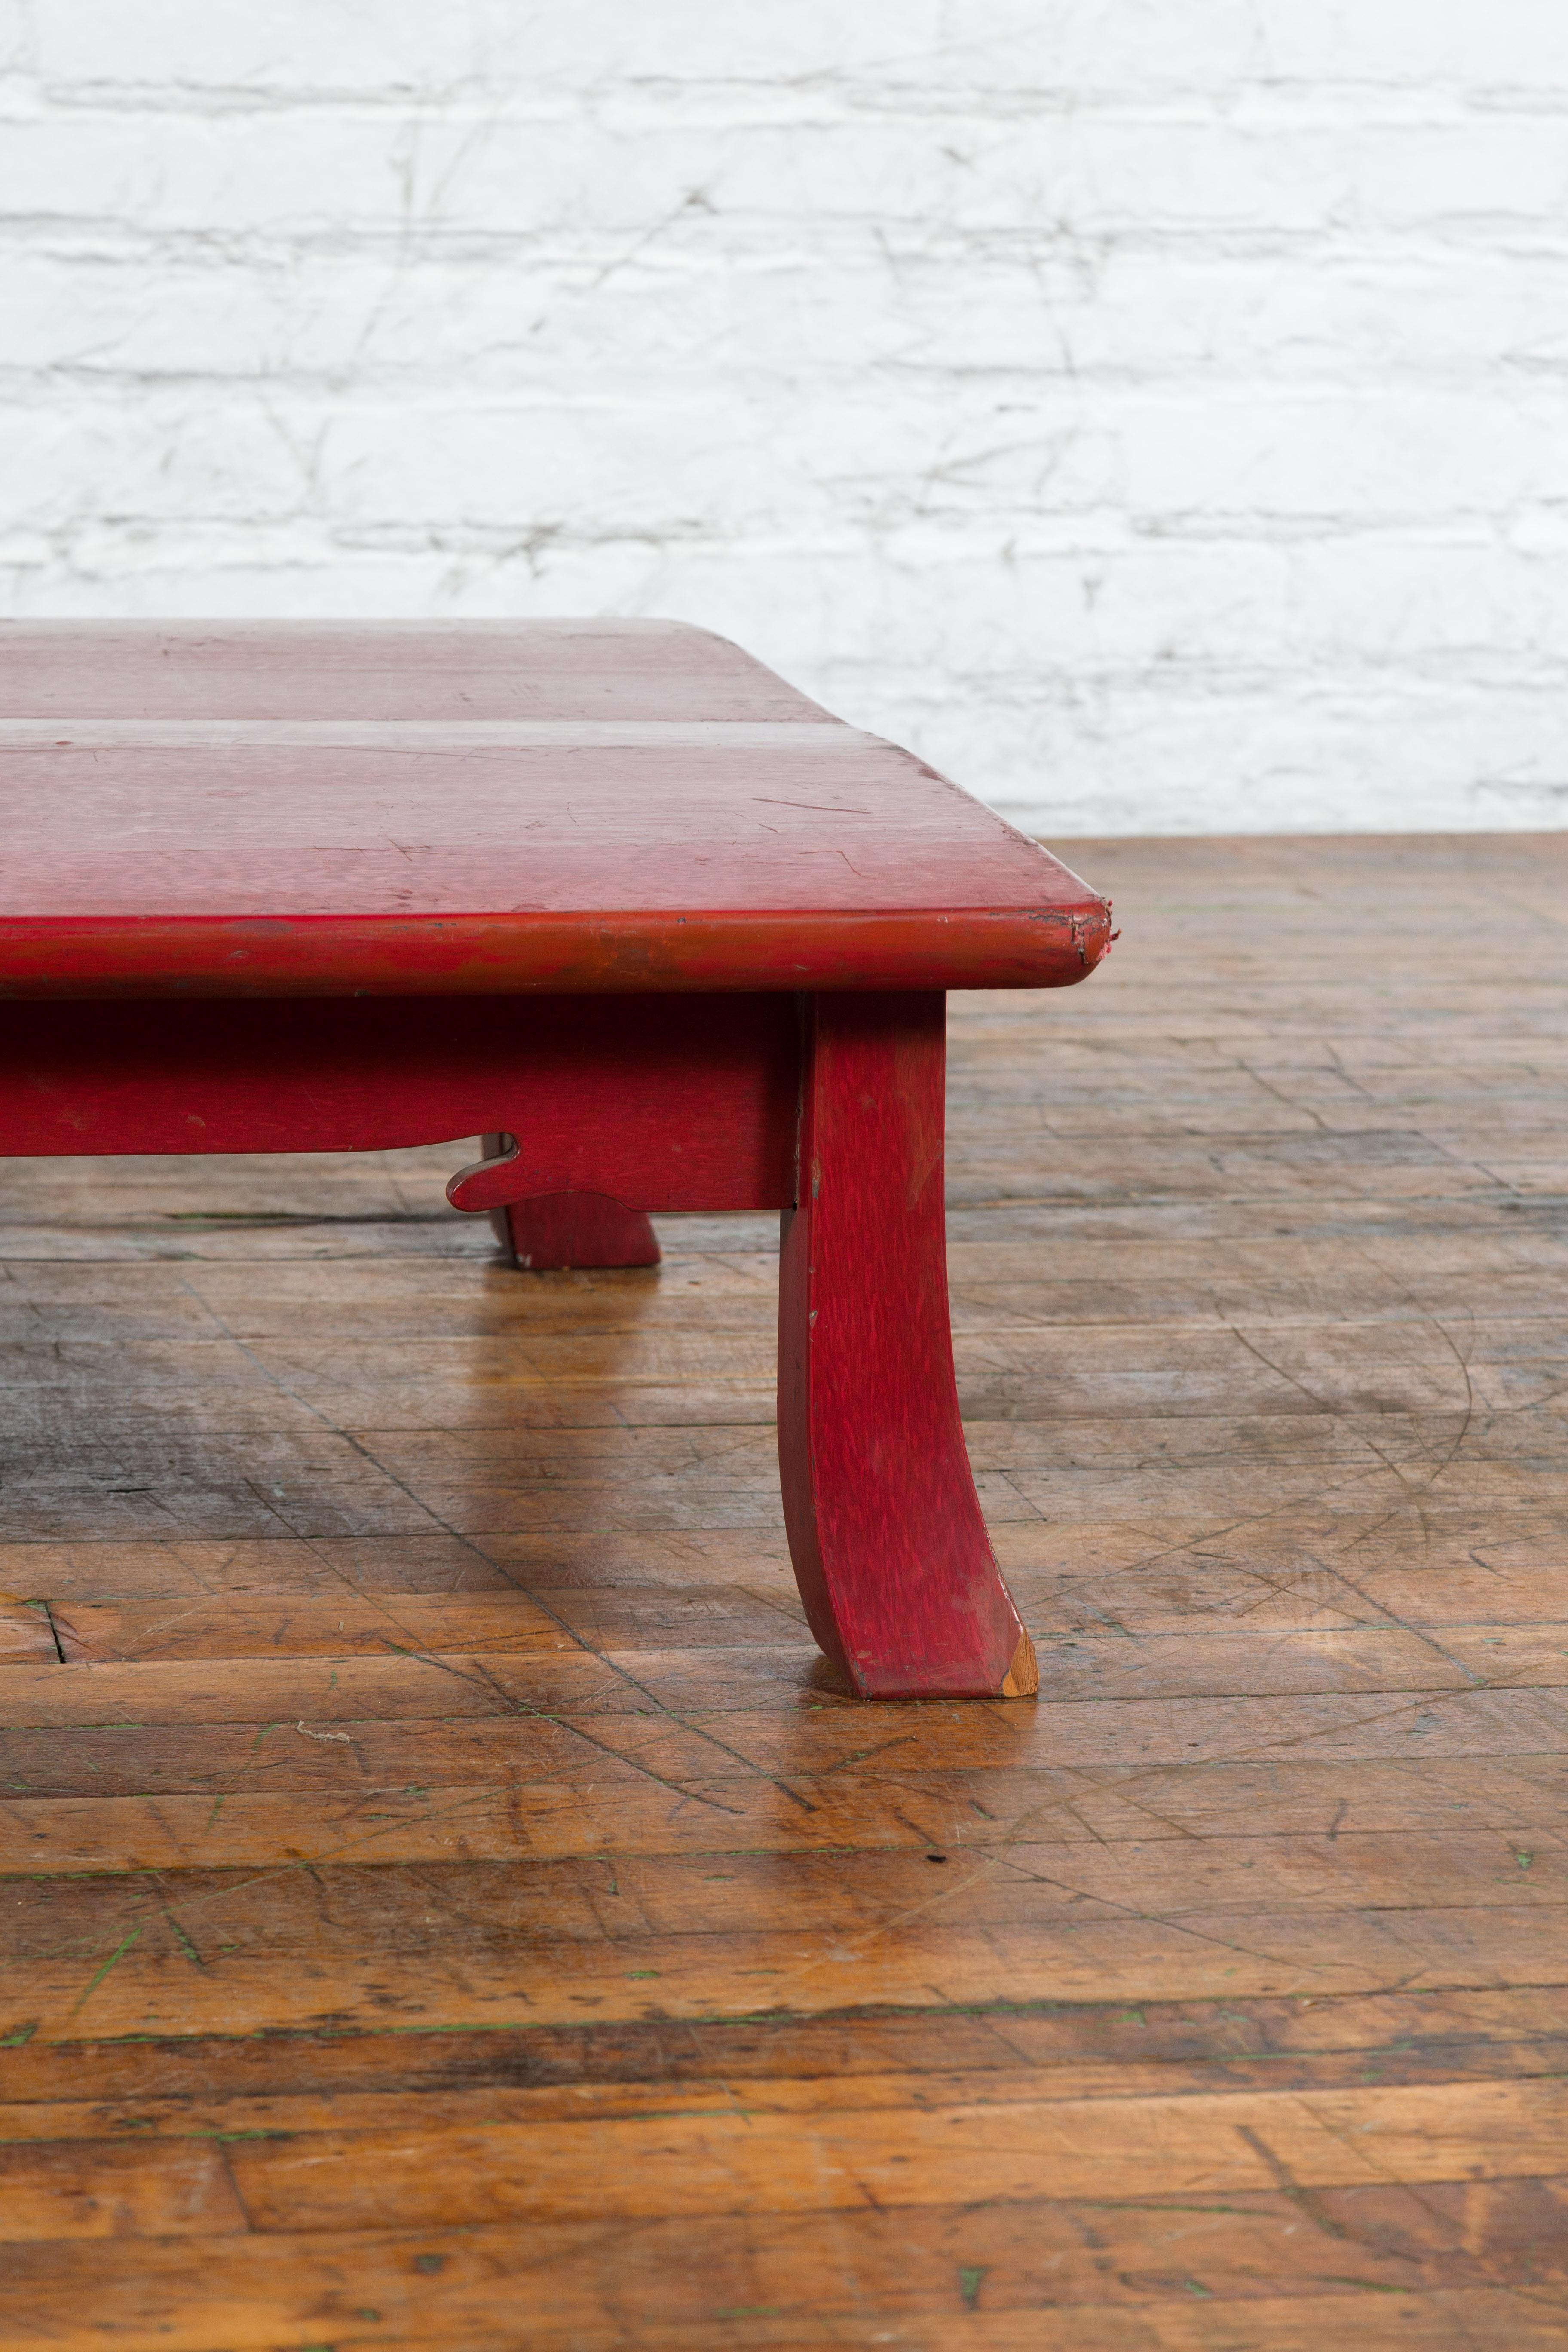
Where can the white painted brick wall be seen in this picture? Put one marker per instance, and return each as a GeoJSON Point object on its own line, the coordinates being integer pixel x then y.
{"type": "Point", "coordinates": [1155, 413]}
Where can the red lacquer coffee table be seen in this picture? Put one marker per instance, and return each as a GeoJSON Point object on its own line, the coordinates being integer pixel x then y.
{"type": "Point", "coordinates": [610, 894]}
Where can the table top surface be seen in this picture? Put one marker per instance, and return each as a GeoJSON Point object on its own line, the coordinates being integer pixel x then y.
{"type": "Point", "coordinates": [250, 807]}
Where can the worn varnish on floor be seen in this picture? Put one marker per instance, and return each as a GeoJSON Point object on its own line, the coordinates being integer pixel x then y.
{"type": "Point", "coordinates": [449, 1907]}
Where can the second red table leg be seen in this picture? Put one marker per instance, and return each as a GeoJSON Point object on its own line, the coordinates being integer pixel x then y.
{"type": "Point", "coordinates": [570, 1229]}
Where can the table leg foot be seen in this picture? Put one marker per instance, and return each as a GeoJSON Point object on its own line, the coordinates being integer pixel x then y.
{"type": "Point", "coordinates": [895, 1568]}
{"type": "Point", "coordinates": [1022, 1679]}
{"type": "Point", "coordinates": [554, 1230]}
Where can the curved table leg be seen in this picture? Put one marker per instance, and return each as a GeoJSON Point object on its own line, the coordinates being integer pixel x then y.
{"type": "Point", "coordinates": [890, 1551]}
{"type": "Point", "coordinates": [570, 1229]}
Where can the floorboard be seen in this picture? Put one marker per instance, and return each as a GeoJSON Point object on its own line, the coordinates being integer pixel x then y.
{"type": "Point", "coordinates": [448, 1902]}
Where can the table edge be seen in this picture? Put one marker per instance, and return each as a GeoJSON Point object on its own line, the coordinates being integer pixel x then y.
{"type": "Point", "coordinates": [567, 954]}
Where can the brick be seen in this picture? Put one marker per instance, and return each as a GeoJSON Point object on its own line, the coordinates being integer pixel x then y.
{"type": "Point", "coordinates": [1150, 413]}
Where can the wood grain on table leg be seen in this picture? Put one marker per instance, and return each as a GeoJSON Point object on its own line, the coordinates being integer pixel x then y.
{"type": "Point", "coordinates": [895, 1567]}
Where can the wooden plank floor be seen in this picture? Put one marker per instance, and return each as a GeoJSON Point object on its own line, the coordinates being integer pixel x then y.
{"type": "Point", "coordinates": [449, 1906]}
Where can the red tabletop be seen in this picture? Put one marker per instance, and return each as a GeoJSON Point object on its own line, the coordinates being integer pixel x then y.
{"type": "Point", "coordinates": [417, 808]}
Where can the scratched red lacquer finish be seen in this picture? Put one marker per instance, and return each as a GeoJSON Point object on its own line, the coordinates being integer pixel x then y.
{"type": "Point", "coordinates": [260, 810]}
{"type": "Point", "coordinates": [613, 898]}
